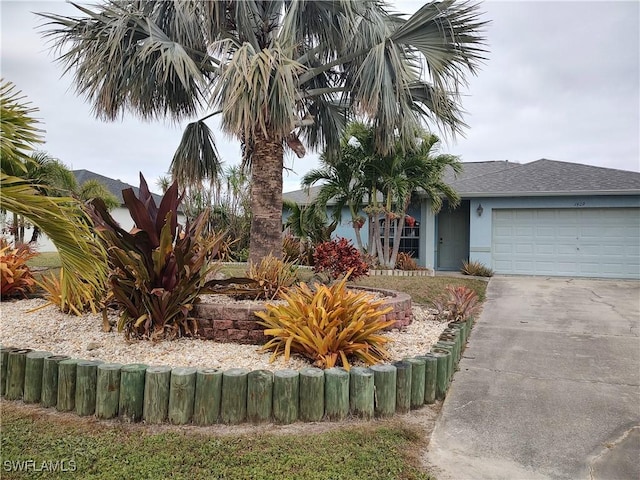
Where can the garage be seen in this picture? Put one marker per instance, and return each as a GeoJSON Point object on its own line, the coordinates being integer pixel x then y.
{"type": "Point", "coordinates": [581, 242]}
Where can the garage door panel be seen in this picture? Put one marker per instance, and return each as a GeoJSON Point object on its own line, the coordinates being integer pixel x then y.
{"type": "Point", "coordinates": [570, 242]}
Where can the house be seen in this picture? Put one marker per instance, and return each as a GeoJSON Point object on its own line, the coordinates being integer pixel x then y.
{"type": "Point", "coordinates": [540, 218]}
{"type": "Point", "coordinates": [120, 214]}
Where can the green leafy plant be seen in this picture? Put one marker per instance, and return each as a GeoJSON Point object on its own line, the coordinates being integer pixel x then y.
{"type": "Point", "coordinates": [273, 276]}
{"type": "Point", "coordinates": [456, 304]}
{"type": "Point", "coordinates": [406, 262]}
{"type": "Point", "coordinates": [327, 324]}
{"type": "Point", "coordinates": [337, 257]}
{"type": "Point", "coordinates": [157, 270]}
{"type": "Point", "coordinates": [15, 275]}
{"type": "Point", "coordinates": [52, 285]}
{"type": "Point", "coordinates": [291, 248]}
{"type": "Point", "coordinates": [475, 268]}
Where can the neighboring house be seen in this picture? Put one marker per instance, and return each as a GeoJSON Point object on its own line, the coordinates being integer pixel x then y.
{"type": "Point", "coordinates": [540, 218]}
{"type": "Point", "coordinates": [120, 214]}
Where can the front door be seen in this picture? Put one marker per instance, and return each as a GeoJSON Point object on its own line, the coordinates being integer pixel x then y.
{"type": "Point", "coordinates": [453, 237]}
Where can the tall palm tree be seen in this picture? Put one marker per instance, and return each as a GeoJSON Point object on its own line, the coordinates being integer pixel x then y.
{"type": "Point", "coordinates": [281, 74]}
{"type": "Point", "coordinates": [61, 218]}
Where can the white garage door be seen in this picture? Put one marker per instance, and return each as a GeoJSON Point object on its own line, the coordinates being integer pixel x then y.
{"type": "Point", "coordinates": [593, 242]}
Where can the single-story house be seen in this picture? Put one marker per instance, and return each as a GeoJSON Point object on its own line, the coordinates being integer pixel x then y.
{"type": "Point", "coordinates": [120, 214]}
{"type": "Point", "coordinates": [540, 218]}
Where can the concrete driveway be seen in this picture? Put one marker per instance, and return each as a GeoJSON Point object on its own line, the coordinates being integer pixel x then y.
{"type": "Point", "coordinates": [549, 386]}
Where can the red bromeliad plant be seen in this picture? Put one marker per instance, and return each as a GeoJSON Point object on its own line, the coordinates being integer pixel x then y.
{"type": "Point", "coordinates": [157, 269]}
{"type": "Point", "coordinates": [457, 304]}
{"type": "Point", "coordinates": [337, 257]}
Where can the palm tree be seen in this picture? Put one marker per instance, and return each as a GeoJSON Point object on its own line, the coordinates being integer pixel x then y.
{"type": "Point", "coordinates": [342, 182]}
{"type": "Point", "coordinates": [281, 74]}
{"type": "Point", "coordinates": [420, 169]}
{"type": "Point", "coordinates": [61, 218]}
{"type": "Point", "coordinates": [387, 182]}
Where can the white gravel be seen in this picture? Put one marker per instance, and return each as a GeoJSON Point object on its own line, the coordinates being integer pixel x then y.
{"type": "Point", "coordinates": [82, 337]}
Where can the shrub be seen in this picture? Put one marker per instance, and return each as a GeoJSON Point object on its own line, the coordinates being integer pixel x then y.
{"type": "Point", "coordinates": [337, 257]}
{"type": "Point", "coordinates": [157, 270]}
{"type": "Point", "coordinates": [52, 286]}
{"type": "Point", "coordinates": [456, 304]}
{"type": "Point", "coordinates": [404, 261]}
{"type": "Point", "coordinates": [327, 324]}
{"type": "Point", "coordinates": [15, 276]}
{"type": "Point", "coordinates": [273, 276]}
{"type": "Point", "coordinates": [291, 248]}
{"type": "Point", "coordinates": [476, 268]}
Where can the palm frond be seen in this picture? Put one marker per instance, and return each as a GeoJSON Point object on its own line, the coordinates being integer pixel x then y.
{"type": "Point", "coordinates": [19, 133]}
{"type": "Point", "coordinates": [123, 58]}
{"type": "Point", "coordinates": [257, 93]}
{"type": "Point", "coordinates": [63, 220]}
{"type": "Point", "coordinates": [196, 158]}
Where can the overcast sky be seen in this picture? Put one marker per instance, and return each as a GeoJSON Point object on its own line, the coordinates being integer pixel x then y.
{"type": "Point", "coordinates": [562, 82]}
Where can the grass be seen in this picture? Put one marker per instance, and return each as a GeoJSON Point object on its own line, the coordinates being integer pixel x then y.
{"type": "Point", "coordinates": [45, 259]}
{"type": "Point", "coordinates": [423, 289]}
{"type": "Point", "coordinates": [104, 451]}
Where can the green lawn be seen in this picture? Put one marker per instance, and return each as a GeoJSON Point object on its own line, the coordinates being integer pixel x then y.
{"type": "Point", "coordinates": [423, 289]}
{"type": "Point", "coordinates": [45, 259]}
{"type": "Point", "coordinates": [112, 451]}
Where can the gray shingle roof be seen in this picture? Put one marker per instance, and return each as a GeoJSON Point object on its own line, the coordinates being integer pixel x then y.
{"type": "Point", "coordinates": [301, 197]}
{"type": "Point", "coordinates": [549, 177]}
{"type": "Point", "coordinates": [541, 177]}
{"type": "Point", "coordinates": [114, 186]}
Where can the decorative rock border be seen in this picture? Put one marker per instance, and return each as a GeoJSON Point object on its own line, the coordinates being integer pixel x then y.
{"type": "Point", "coordinates": [238, 323]}
{"type": "Point", "coordinates": [427, 272]}
{"type": "Point", "coordinates": [181, 396]}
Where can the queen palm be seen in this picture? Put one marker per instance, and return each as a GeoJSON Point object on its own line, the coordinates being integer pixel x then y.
{"type": "Point", "coordinates": [282, 74]}
{"type": "Point", "coordinates": [419, 170]}
{"type": "Point", "coordinates": [386, 183]}
{"type": "Point", "coordinates": [342, 177]}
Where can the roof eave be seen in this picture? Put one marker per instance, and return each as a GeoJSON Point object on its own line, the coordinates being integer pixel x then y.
{"type": "Point", "coordinates": [571, 193]}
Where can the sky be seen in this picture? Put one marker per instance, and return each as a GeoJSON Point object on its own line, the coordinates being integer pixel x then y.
{"type": "Point", "coordinates": [561, 81]}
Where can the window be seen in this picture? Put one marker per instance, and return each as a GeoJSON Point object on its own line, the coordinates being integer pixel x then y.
{"type": "Point", "coordinates": [410, 238]}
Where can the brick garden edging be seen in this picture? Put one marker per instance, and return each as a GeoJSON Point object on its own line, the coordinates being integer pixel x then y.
{"type": "Point", "coordinates": [228, 322]}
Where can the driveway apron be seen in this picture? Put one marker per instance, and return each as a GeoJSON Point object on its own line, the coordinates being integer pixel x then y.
{"type": "Point", "coordinates": [549, 386]}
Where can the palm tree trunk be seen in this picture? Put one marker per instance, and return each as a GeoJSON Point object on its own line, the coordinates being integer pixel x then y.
{"type": "Point", "coordinates": [266, 199]}
{"type": "Point", "coordinates": [357, 226]}
{"type": "Point", "coordinates": [396, 241]}
{"type": "Point", "coordinates": [398, 233]}
{"type": "Point", "coordinates": [35, 234]}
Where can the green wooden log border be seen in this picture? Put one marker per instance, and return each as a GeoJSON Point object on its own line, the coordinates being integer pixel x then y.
{"type": "Point", "coordinates": [16, 365]}
{"type": "Point", "coordinates": [206, 407]}
{"type": "Point", "coordinates": [33, 376]}
{"type": "Point", "coordinates": [336, 393]}
{"type": "Point", "coordinates": [49, 395]}
{"type": "Point", "coordinates": [108, 390]}
{"type": "Point", "coordinates": [207, 396]}
{"type": "Point", "coordinates": [259, 396]}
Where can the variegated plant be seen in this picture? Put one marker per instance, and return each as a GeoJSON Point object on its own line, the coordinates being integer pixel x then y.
{"type": "Point", "coordinates": [328, 324]}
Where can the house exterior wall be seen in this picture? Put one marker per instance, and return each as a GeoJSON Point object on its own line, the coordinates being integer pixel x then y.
{"type": "Point", "coordinates": [119, 214]}
{"type": "Point", "coordinates": [481, 226]}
